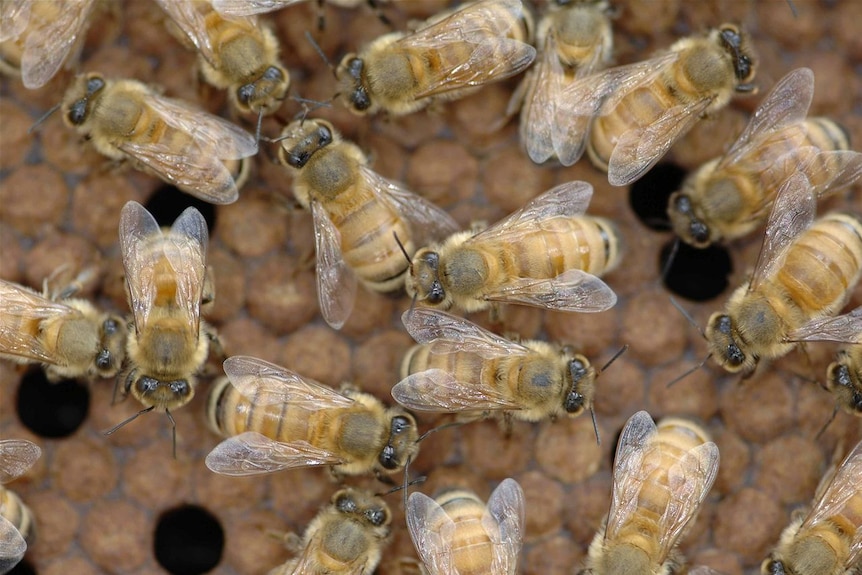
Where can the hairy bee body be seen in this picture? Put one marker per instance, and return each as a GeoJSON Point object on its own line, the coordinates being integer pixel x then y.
{"type": "Point", "coordinates": [70, 337]}
{"type": "Point", "coordinates": [828, 541]}
{"type": "Point", "coordinates": [445, 58]}
{"type": "Point", "coordinates": [457, 533]}
{"type": "Point", "coordinates": [661, 476]}
{"type": "Point", "coordinates": [346, 537]}
{"type": "Point", "coordinates": [352, 431]}
{"type": "Point", "coordinates": [844, 379]}
{"type": "Point", "coordinates": [182, 145]}
{"type": "Point", "coordinates": [730, 196]}
{"type": "Point", "coordinates": [16, 520]}
{"type": "Point", "coordinates": [17, 513]}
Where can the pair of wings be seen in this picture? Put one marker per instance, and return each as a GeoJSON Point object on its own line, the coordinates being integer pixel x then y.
{"type": "Point", "coordinates": [48, 41]}
{"type": "Point", "coordinates": [689, 480]}
{"type": "Point", "coordinates": [18, 306]}
{"type": "Point", "coordinates": [432, 530]}
{"type": "Point", "coordinates": [437, 390]}
{"type": "Point", "coordinates": [784, 107]}
{"type": "Point", "coordinates": [197, 167]}
{"type": "Point", "coordinates": [238, 8]}
{"type": "Point", "coordinates": [572, 290]}
{"type": "Point", "coordinates": [336, 281]}
{"type": "Point", "coordinates": [16, 457]}
{"type": "Point", "coordinates": [541, 132]}
{"type": "Point", "coordinates": [265, 383]}
{"type": "Point", "coordinates": [149, 252]}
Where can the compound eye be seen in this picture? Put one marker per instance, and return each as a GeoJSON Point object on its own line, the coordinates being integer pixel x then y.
{"type": "Point", "coordinates": [376, 517]}
{"type": "Point", "coordinates": [399, 425]}
{"type": "Point", "coordinates": [699, 232]}
{"type": "Point", "coordinates": [574, 402]}
{"type": "Point", "coordinates": [103, 359]}
{"type": "Point", "coordinates": [345, 504]}
{"type": "Point", "coordinates": [94, 85]}
{"type": "Point", "coordinates": [110, 326]}
{"type": "Point", "coordinates": [360, 99]}
{"type": "Point", "coordinates": [78, 112]}
{"type": "Point", "coordinates": [436, 294]}
{"type": "Point", "coordinates": [387, 458]}
{"type": "Point", "coordinates": [272, 73]}
{"type": "Point", "coordinates": [245, 93]}
{"type": "Point", "coordinates": [147, 385]}
{"type": "Point", "coordinates": [324, 136]}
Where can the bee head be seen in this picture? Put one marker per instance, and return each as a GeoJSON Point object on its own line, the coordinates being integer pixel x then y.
{"type": "Point", "coordinates": [840, 381]}
{"type": "Point", "coordinates": [401, 445]}
{"type": "Point", "coordinates": [735, 43]}
{"type": "Point", "coordinates": [580, 394]}
{"type": "Point", "coordinates": [78, 110]}
{"type": "Point", "coordinates": [162, 394]}
{"type": "Point", "coordinates": [687, 225]}
{"type": "Point", "coordinates": [774, 567]}
{"type": "Point", "coordinates": [265, 93]}
{"type": "Point", "coordinates": [350, 74]}
{"type": "Point", "coordinates": [424, 278]}
{"type": "Point", "coordinates": [112, 347]}
{"type": "Point", "coordinates": [724, 344]}
{"type": "Point", "coordinates": [302, 140]}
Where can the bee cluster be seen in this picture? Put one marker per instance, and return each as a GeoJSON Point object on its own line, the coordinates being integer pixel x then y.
{"type": "Point", "coordinates": [253, 285]}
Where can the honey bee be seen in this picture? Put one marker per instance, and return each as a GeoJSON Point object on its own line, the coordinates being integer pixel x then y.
{"type": "Point", "coordinates": [36, 37]}
{"type": "Point", "coordinates": [547, 254]}
{"type": "Point", "coordinates": [458, 533]}
{"type": "Point", "coordinates": [641, 109]}
{"type": "Point", "coordinates": [828, 541]}
{"type": "Point", "coordinates": [236, 53]}
{"type": "Point", "coordinates": [730, 196]}
{"type": "Point", "coordinates": [346, 537]}
{"type": "Point", "coordinates": [662, 474]}
{"type": "Point", "coordinates": [165, 281]}
{"type": "Point", "coordinates": [576, 40]}
{"type": "Point", "coordinates": [16, 519]}
{"type": "Point", "coordinates": [275, 419]}
{"type": "Point", "coordinates": [445, 58]}
{"type": "Point", "coordinates": [463, 368]}
{"type": "Point", "coordinates": [360, 218]}
{"type": "Point", "coordinates": [805, 272]}
{"type": "Point", "coordinates": [184, 146]}
{"type": "Point", "coordinates": [69, 336]}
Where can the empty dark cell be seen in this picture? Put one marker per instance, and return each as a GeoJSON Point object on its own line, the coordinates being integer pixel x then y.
{"type": "Point", "coordinates": [168, 203]}
{"type": "Point", "coordinates": [52, 409]}
{"type": "Point", "coordinates": [23, 568]}
{"type": "Point", "coordinates": [649, 195]}
{"type": "Point", "coordinates": [189, 541]}
{"type": "Point", "coordinates": [696, 275]}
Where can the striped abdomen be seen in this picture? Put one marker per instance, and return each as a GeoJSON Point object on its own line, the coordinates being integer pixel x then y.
{"type": "Point", "coordinates": [472, 550]}
{"type": "Point", "coordinates": [18, 514]}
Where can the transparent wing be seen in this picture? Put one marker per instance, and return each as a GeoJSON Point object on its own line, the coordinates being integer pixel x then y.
{"type": "Point", "coordinates": [431, 530]}
{"type": "Point", "coordinates": [845, 328]}
{"type": "Point", "coordinates": [792, 212]}
{"type": "Point", "coordinates": [12, 545]}
{"type": "Point", "coordinates": [538, 125]}
{"type": "Point", "coordinates": [336, 282]}
{"type": "Point", "coordinates": [192, 22]}
{"type": "Point", "coordinates": [630, 470]}
{"type": "Point", "coordinates": [235, 8]}
{"type": "Point", "coordinates": [16, 457]}
{"type": "Point", "coordinates": [504, 522]}
{"type": "Point", "coordinates": [49, 43]}
{"type": "Point", "coordinates": [835, 500]}
{"type": "Point", "coordinates": [845, 169]}
{"type": "Point", "coordinates": [14, 17]}
{"type": "Point", "coordinates": [565, 200]}
{"type": "Point", "coordinates": [428, 326]}
{"type": "Point", "coordinates": [438, 391]}
{"type": "Point", "coordinates": [19, 307]}
{"type": "Point", "coordinates": [307, 562]}
{"type": "Point", "coordinates": [572, 290]}
{"type": "Point", "coordinates": [138, 229]}
{"type": "Point", "coordinates": [704, 570]}
{"type": "Point", "coordinates": [639, 149]}
{"type": "Point", "coordinates": [786, 104]}
{"type": "Point", "coordinates": [265, 383]}
{"type": "Point", "coordinates": [251, 453]}
{"type": "Point", "coordinates": [186, 253]}
{"type": "Point", "coordinates": [428, 223]}
{"type": "Point", "coordinates": [475, 30]}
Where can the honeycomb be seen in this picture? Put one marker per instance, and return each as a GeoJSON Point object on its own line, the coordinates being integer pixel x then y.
{"type": "Point", "coordinates": [97, 499]}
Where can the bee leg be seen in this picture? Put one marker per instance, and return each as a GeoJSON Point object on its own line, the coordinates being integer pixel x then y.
{"type": "Point", "coordinates": [496, 314]}
{"type": "Point", "coordinates": [384, 478]}
{"type": "Point", "coordinates": [292, 542]}
{"type": "Point", "coordinates": [378, 11]}
{"type": "Point", "coordinates": [507, 425]}
{"type": "Point", "coordinates": [336, 475]}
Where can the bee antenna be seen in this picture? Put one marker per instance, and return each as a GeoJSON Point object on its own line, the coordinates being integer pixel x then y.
{"type": "Point", "coordinates": [595, 425]}
{"type": "Point", "coordinates": [257, 131]}
{"type": "Point", "coordinates": [438, 428]}
{"type": "Point", "coordinates": [412, 307]}
{"type": "Point", "coordinates": [622, 350]}
{"type": "Point", "coordinates": [173, 431]}
{"type": "Point", "coordinates": [828, 423]}
{"type": "Point", "coordinates": [320, 53]}
{"type": "Point", "coordinates": [401, 246]}
{"type": "Point", "coordinates": [44, 117]}
{"type": "Point", "coordinates": [687, 316]}
{"type": "Point", "coordinates": [690, 371]}
{"type": "Point", "coordinates": [130, 419]}
{"type": "Point", "coordinates": [793, 8]}
{"type": "Point", "coordinates": [665, 269]}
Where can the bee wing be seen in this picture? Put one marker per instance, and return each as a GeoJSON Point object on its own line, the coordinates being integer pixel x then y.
{"type": "Point", "coordinates": [786, 104]}
{"type": "Point", "coordinates": [251, 453]}
{"type": "Point", "coordinates": [266, 383]}
{"type": "Point", "coordinates": [438, 391]}
{"type": "Point", "coordinates": [235, 8]}
{"type": "Point", "coordinates": [193, 24]}
{"type": "Point", "coordinates": [475, 29]}
{"type": "Point", "coordinates": [572, 290]}
{"type": "Point", "coordinates": [19, 306]}
{"type": "Point", "coordinates": [428, 326]}
{"type": "Point", "coordinates": [569, 199]}
{"type": "Point", "coordinates": [14, 17]}
{"type": "Point", "coordinates": [431, 530]}
{"type": "Point", "coordinates": [844, 485]}
{"type": "Point", "coordinates": [845, 169]}
{"type": "Point", "coordinates": [12, 545]}
{"type": "Point", "coordinates": [48, 45]}
{"type": "Point", "coordinates": [538, 125]}
{"type": "Point", "coordinates": [428, 223]}
{"type": "Point", "coordinates": [845, 328]}
{"type": "Point", "coordinates": [16, 457]}
{"type": "Point", "coordinates": [630, 473]}
{"type": "Point", "coordinates": [138, 227]}
{"type": "Point", "coordinates": [336, 282]}
{"type": "Point", "coordinates": [503, 521]}
{"type": "Point", "coordinates": [704, 570]}
{"type": "Point", "coordinates": [197, 166]}
{"type": "Point", "coordinates": [792, 212]}
{"type": "Point", "coordinates": [639, 149]}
